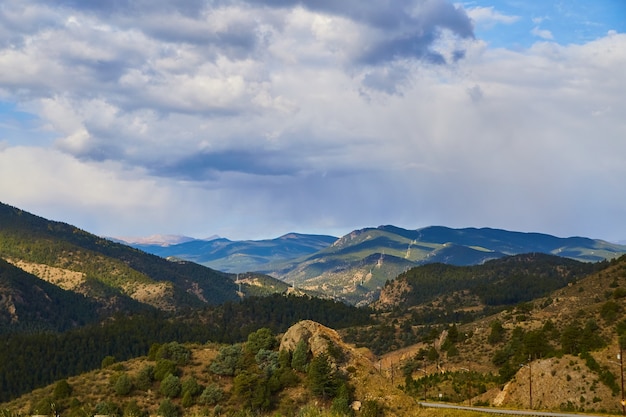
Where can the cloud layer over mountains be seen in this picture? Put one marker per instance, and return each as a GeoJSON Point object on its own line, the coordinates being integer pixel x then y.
{"type": "Point", "coordinates": [254, 118]}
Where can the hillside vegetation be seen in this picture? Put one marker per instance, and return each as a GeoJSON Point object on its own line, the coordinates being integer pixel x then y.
{"type": "Point", "coordinates": [569, 338]}
{"type": "Point", "coordinates": [89, 326]}
{"type": "Point", "coordinates": [356, 266]}
{"type": "Point", "coordinates": [308, 371]}
{"type": "Point", "coordinates": [243, 256]}
{"type": "Point", "coordinates": [33, 359]}
{"type": "Point", "coordinates": [105, 271]}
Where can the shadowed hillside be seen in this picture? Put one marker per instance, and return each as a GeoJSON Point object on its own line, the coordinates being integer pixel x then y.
{"type": "Point", "coordinates": [103, 270]}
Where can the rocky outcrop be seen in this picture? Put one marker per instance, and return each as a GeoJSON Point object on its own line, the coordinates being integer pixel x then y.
{"type": "Point", "coordinates": [358, 364]}
{"type": "Point", "coordinates": [393, 294]}
{"type": "Point", "coordinates": [314, 334]}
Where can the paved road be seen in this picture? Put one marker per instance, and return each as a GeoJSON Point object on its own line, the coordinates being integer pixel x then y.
{"type": "Point", "coordinates": [504, 411]}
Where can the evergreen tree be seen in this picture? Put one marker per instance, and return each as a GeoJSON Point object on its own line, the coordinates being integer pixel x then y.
{"type": "Point", "coordinates": [163, 368]}
{"type": "Point", "coordinates": [145, 377]}
{"type": "Point", "coordinates": [321, 377]}
{"type": "Point", "coordinates": [62, 390]}
{"type": "Point", "coordinates": [300, 356]}
{"type": "Point", "coordinates": [227, 360]}
{"type": "Point", "coordinates": [497, 332]}
{"type": "Point", "coordinates": [168, 409]}
{"type": "Point", "coordinates": [251, 390]}
{"type": "Point", "coordinates": [211, 395]}
{"type": "Point", "coordinates": [261, 339]}
{"type": "Point", "coordinates": [170, 386]}
{"type": "Point", "coordinates": [187, 400]}
{"type": "Point", "coordinates": [174, 351]}
{"type": "Point", "coordinates": [190, 385]}
{"type": "Point", "coordinates": [123, 385]}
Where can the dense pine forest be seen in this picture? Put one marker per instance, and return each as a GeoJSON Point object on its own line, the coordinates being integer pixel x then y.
{"type": "Point", "coordinates": [32, 360]}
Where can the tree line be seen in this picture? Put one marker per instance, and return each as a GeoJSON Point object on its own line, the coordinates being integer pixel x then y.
{"type": "Point", "coordinates": [28, 361]}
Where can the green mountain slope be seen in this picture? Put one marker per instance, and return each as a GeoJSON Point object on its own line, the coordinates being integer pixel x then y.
{"type": "Point", "coordinates": [561, 347]}
{"type": "Point", "coordinates": [243, 256]}
{"type": "Point", "coordinates": [28, 304]}
{"type": "Point", "coordinates": [356, 266]}
{"type": "Point", "coordinates": [500, 282]}
{"type": "Point", "coordinates": [99, 268]}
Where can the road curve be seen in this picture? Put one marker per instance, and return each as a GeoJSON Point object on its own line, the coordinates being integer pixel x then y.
{"type": "Point", "coordinates": [504, 411]}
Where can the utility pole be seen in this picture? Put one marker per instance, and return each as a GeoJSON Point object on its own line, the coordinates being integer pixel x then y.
{"type": "Point", "coordinates": [621, 368]}
{"type": "Point", "coordinates": [530, 383]}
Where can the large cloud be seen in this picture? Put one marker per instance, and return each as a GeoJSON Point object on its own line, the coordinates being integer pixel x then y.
{"type": "Point", "coordinates": [249, 119]}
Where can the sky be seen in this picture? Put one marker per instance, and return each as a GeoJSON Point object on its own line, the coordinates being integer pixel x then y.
{"type": "Point", "coordinates": [249, 119]}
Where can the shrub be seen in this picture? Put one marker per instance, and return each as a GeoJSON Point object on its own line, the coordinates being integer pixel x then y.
{"type": "Point", "coordinates": [609, 311]}
{"type": "Point", "coordinates": [619, 293]}
{"type": "Point", "coordinates": [133, 410]}
{"type": "Point", "coordinates": [107, 361]}
{"type": "Point", "coordinates": [163, 368]}
{"type": "Point", "coordinates": [174, 351]}
{"type": "Point", "coordinates": [123, 385]}
{"type": "Point", "coordinates": [226, 361]}
{"type": "Point", "coordinates": [190, 385]}
{"type": "Point", "coordinates": [62, 390]}
{"type": "Point", "coordinates": [170, 386]}
{"type": "Point", "coordinates": [167, 409]}
{"type": "Point", "coordinates": [108, 408]}
{"type": "Point", "coordinates": [145, 378]}
{"type": "Point", "coordinates": [45, 406]}
{"type": "Point", "coordinates": [211, 395]}
{"type": "Point", "coordinates": [371, 408]}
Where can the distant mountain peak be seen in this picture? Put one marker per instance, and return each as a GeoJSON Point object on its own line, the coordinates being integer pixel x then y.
{"type": "Point", "coordinates": [158, 240]}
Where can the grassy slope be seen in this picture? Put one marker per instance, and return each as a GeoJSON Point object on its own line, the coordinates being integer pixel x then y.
{"type": "Point", "coordinates": [32, 239]}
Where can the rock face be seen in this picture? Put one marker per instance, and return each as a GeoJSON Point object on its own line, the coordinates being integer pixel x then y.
{"type": "Point", "coordinates": [393, 294]}
{"type": "Point", "coordinates": [314, 334]}
{"type": "Point", "coordinates": [358, 364]}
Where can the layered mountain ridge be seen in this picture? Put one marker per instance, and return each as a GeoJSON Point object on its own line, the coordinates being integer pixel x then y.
{"type": "Point", "coordinates": [115, 277]}
{"type": "Point", "coordinates": [356, 266]}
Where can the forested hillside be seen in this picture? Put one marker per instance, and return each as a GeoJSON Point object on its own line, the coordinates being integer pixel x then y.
{"type": "Point", "coordinates": [427, 297]}
{"type": "Point", "coordinates": [101, 269]}
{"type": "Point", "coordinates": [28, 304]}
{"type": "Point", "coordinates": [357, 265]}
{"type": "Point", "coordinates": [32, 360]}
{"type": "Point", "coordinates": [506, 281]}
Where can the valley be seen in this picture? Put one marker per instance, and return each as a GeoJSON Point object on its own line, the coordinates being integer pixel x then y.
{"type": "Point", "coordinates": [355, 267]}
{"type": "Point", "coordinates": [361, 325]}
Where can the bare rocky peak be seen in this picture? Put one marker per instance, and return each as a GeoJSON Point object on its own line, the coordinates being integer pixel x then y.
{"type": "Point", "coordinates": [314, 334]}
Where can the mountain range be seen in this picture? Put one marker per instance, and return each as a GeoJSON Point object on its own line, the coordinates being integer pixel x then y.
{"type": "Point", "coordinates": [72, 302]}
{"type": "Point", "coordinates": [355, 266]}
{"type": "Point", "coordinates": [115, 277]}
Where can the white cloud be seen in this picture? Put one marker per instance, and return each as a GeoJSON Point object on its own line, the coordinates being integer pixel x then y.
{"type": "Point", "coordinates": [209, 128]}
{"type": "Point", "coordinates": [488, 17]}
{"type": "Point", "coordinates": [541, 33]}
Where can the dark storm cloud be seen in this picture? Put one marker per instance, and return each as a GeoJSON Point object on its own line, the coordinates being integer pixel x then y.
{"type": "Point", "coordinates": [186, 7]}
{"type": "Point", "coordinates": [413, 46]}
{"type": "Point", "coordinates": [388, 79]}
{"type": "Point", "coordinates": [410, 28]}
{"type": "Point", "coordinates": [208, 166]}
{"type": "Point", "coordinates": [236, 39]}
